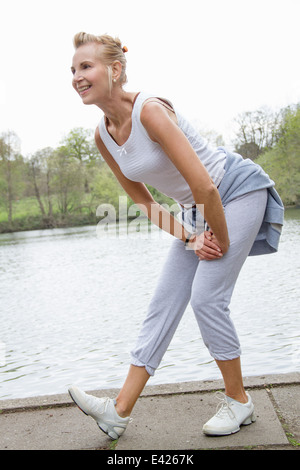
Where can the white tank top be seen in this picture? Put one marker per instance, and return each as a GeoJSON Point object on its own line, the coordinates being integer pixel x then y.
{"type": "Point", "coordinates": [141, 159]}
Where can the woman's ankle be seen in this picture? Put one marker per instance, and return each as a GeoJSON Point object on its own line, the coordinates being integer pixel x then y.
{"type": "Point", "coordinates": [122, 410]}
{"type": "Point", "coordinates": [238, 396]}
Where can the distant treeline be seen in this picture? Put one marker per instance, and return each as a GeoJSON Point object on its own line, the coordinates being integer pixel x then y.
{"type": "Point", "coordinates": [63, 186]}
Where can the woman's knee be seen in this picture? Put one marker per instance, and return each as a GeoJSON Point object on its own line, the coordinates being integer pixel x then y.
{"type": "Point", "coordinates": [205, 296]}
{"type": "Point", "coordinates": [197, 301]}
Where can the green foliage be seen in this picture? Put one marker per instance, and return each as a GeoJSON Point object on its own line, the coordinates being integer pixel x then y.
{"type": "Point", "coordinates": [282, 162]}
{"type": "Point", "coordinates": [64, 186]}
{"type": "Point", "coordinates": [257, 131]}
{"type": "Point", "coordinates": [106, 188]}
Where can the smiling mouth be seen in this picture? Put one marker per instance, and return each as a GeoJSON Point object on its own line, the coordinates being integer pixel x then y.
{"type": "Point", "coordinates": [82, 90]}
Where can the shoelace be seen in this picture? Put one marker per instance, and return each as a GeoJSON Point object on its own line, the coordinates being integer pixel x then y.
{"type": "Point", "coordinates": [96, 406]}
{"type": "Point", "coordinates": [223, 408]}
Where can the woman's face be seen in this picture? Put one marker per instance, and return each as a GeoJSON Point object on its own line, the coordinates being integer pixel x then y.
{"type": "Point", "coordinates": [90, 75]}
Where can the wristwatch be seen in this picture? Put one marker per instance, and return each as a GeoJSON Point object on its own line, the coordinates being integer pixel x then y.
{"type": "Point", "coordinates": [190, 235]}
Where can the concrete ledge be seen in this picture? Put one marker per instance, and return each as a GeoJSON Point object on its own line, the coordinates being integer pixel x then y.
{"type": "Point", "coordinates": [49, 401]}
{"type": "Point", "coordinates": [166, 417]}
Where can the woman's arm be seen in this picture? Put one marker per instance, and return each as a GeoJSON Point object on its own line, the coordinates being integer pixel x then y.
{"type": "Point", "coordinates": [139, 193]}
{"type": "Point", "coordinates": [163, 130]}
{"type": "Point", "coordinates": [206, 248]}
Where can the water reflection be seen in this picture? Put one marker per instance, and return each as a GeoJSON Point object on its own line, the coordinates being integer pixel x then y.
{"type": "Point", "coordinates": [72, 304]}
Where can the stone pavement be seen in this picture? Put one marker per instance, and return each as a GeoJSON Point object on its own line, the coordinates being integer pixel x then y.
{"type": "Point", "coordinates": [166, 417]}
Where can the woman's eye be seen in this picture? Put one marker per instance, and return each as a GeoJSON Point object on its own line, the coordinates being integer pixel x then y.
{"type": "Point", "coordinates": [82, 67]}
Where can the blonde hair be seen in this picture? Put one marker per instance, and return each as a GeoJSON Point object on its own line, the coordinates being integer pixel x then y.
{"type": "Point", "coordinates": [111, 51]}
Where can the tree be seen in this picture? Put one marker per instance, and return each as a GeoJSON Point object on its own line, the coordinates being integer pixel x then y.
{"type": "Point", "coordinates": [80, 144]}
{"type": "Point", "coordinates": [67, 180]}
{"type": "Point", "coordinates": [257, 132]}
{"type": "Point", "coordinates": [282, 162]}
{"type": "Point", "coordinates": [210, 135]}
{"type": "Point", "coordinates": [40, 174]}
{"type": "Point", "coordinates": [10, 163]}
{"type": "Point", "coordinates": [106, 188]}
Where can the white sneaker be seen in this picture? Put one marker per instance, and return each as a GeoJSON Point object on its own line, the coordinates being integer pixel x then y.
{"type": "Point", "coordinates": [229, 416]}
{"type": "Point", "coordinates": [102, 410]}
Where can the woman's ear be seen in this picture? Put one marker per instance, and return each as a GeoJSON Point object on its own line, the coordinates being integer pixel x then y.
{"type": "Point", "coordinates": [116, 68]}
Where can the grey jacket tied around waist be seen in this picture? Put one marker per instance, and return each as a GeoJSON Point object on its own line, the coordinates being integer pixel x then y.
{"type": "Point", "coordinates": [241, 177]}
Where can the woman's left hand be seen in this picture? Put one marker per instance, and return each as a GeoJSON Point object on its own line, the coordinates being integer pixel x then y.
{"type": "Point", "coordinates": [206, 246]}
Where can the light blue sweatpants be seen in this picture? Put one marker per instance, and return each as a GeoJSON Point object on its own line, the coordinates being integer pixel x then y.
{"type": "Point", "coordinates": [208, 285]}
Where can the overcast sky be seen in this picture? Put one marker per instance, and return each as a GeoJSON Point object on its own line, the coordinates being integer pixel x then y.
{"type": "Point", "coordinates": [213, 59]}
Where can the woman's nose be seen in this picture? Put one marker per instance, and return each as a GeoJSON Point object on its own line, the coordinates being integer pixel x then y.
{"type": "Point", "coordinates": [77, 77]}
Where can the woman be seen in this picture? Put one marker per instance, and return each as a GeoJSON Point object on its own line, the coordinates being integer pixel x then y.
{"type": "Point", "coordinates": [145, 140]}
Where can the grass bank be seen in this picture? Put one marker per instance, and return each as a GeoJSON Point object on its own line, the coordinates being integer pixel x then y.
{"type": "Point", "coordinates": [27, 216]}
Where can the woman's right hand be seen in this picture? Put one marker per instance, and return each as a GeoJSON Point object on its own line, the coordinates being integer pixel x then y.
{"type": "Point", "coordinates": [206, 246]}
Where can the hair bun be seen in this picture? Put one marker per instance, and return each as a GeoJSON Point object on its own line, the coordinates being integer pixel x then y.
{"type": "Point", "coordinates": [124, 49]}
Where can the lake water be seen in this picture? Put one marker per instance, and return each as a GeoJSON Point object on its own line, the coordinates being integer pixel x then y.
{"type": "Point", "coordinates": [72, 302]}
